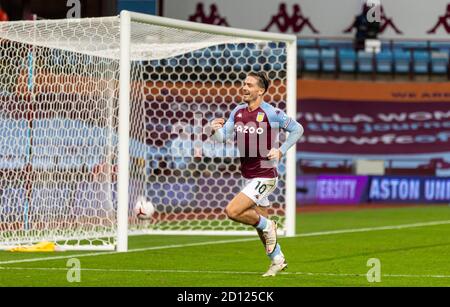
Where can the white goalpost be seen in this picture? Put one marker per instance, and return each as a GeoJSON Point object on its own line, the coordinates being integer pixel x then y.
{"type": "Point", "coordinates": [96, 113]}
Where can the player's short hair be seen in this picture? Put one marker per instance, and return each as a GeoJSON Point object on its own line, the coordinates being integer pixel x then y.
{"type": "Point", "coordinates": [263, 79]}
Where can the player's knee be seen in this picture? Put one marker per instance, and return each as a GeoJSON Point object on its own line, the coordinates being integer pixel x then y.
{"type": "Point", "coordinates": [231, 212]}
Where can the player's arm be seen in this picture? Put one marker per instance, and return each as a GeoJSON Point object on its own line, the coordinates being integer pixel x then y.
{"type": "Point", "coordinates": [295, 130]}
{"type": "Point", "coordinates": [221, 130]}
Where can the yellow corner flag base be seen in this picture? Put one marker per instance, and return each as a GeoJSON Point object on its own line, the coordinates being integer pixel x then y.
{"type": "Point", "coordinates": [39, 247]}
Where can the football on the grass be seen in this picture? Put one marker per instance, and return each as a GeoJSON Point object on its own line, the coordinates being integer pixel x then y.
{"type": "Point", "coordinates": [144, 209]}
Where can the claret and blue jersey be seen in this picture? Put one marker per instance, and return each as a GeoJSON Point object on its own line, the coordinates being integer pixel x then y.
{"type": "Point", "coordinates": [255, 133]}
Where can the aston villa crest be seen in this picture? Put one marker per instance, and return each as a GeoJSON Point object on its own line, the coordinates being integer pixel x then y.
{"type": "Point", "coordinates": [260, 117]}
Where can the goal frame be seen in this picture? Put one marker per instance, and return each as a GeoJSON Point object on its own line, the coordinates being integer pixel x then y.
{"type": "Point", "coordinates": [122, 231]}
{"type": "Point", "coordinates": [126, 18]}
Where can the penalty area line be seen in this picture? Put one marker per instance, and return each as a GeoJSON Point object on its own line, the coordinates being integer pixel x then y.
{"type": "Point", "coordinates": [311, 234]}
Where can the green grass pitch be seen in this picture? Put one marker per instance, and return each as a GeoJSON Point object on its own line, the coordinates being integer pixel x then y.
{"type": "Point", "coordinates": [331, 249]}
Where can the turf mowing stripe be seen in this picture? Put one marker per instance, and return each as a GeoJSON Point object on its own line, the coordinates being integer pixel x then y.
{"type": "Point", "coordinates": [225, 272]}
{"type": "Point", "coordinates": [311, 234]}
{"type": "Point", "coordinates": [129, 251]}
{"type": "Point", "coordinates": [323, 233]}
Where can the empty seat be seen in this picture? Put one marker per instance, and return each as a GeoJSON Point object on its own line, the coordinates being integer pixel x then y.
{"type": "Point", "coordinates": [335, 43]}
{"type": "Point", "coordinates": [440, 45]}
{"type": "Point", "coordinates": [246, 52]}
{"type": "Point", "coordinates": [324, 43]}
{"type": "Point", "coordinates": [256, 67]}
{"type": "Point", "coordinates": [443, 50]}
{"type": "Point", "coordinates": [347, 44]}
{"type": "Point", "coordinates": [365, 61]}
{"type": "Point", "coordinates": [306, 43]}
{"type": "Point", "coordinates": [421, 62]}
{"type": "Point", "coordinates": [347, 59]}
{"type": "Point", "coordinates": [219, 56]}
{"type": "Point", "coordinates": [236, 54]}
{"type": "Point", "coordinates": [328, 59]}
{"type": "Point", "coordinates": [402, 61]}
{"type": "Point", "coordinates": [386, 45]}
{"type": "Point", "coordinates": [384, 61]}
{"type": "Point", "coordinates": [311, 59]}
{"type": "Point", "coordinates": [410, 44]}
{"type": "Point", "coordinates": [198, 53]}
{"type": "Point", "coordinates": [206, 53]}
{"type": "Point", "coordinates": [439, 62]}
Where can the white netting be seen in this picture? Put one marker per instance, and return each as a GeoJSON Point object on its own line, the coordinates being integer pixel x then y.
{"type": "Point", "coordinates": [59, 89]}
{"type": "Point", "coordinates": [101, 37]}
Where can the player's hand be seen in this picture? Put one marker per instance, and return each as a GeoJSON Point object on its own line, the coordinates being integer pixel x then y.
{"type": "Point", "coordinates": [217, 123]}
{"type": "Point", "coordinates": [274, 154]}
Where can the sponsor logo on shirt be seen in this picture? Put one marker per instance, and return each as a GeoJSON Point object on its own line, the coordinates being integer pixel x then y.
{"type": "Point", "coordinates": [251, 130]}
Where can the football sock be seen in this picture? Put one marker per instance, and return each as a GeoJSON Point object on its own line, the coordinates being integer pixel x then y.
{"type": "Point", "coordinates": [262, 224]}
{"type": "Point", "coordinates": [276, 252]}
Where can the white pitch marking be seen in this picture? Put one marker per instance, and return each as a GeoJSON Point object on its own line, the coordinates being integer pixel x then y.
{"type": "Point", "coordinates": [224, 272]}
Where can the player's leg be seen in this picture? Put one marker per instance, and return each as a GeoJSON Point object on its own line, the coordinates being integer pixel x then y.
{"type": "Point", "coordinates": [277, 260]}
{"type": "Point", "coordinates": [263, 212]}
{"type": "Point", "coordinates": [251, 207]}
{"type": "Point", "coordinates": [242, 209]}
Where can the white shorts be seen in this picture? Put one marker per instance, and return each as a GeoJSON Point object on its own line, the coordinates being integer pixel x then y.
{"type": "Point", "coordinates": [258, 189]}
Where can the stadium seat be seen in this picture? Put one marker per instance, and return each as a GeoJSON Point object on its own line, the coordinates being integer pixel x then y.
{"type": "Point", "coordinates": [328, 60]}
{"type": "Point", "coordinates": [365, 61]}
{"type": "Point", "coordinates": [440, 45]}
{"type": "Point", "coordinates": [219, 56]}
{"type": "Point", "coordinates": [206, 53]}
{"type": "Point", "coordinates": [347, 60]}
{"type": "Point", "coordinates": [443, 50]}
{"type": "Point", "coordinates": [395, 56]}
{"type": "Point", "coordinates": [228, 47]}
{"type": "Point", "coordinates": [198, 53]}
{"type": "Point", "coordinates": [306, 43]}
{"type": "Point", "coordinates": [439, 62]}
{"type": "Point", "coordinates": [310, 59]}
{"type": "Point", "coordinates": [247, 52]}
{"type": "Point", "coordinates": [273, 45]}
{"type": "Point", "coordinates": [344, 44]}
{"type": "Point", "coordinates": [154, 62]}
{"type": "Point", "coordinates": [386, 46]}
{"type": "Point", "coordinates": [173, 62]}
{"type": "Point", "coordinates": [384, 61]}
{"type": "Point", "coordinates": [421, 62]}
{"type": "Point", "coordinates": [277, 52]}
{"type": "Point", "coordinates": [203, 62]}
{"type": "Point", "coordinates": [236, 54]}
{"type": "Point", "coordinates": [410, 45]}
{"type": "Point", "coordinates": [337, 43]}
{"type": "Point", "coordinates": [402, 60]}
{"type": "Point", "coordinates": [324, 43]}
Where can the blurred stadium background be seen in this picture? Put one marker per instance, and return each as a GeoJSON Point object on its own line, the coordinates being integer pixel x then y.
{"type": "Point", "coordinates": [376, 115]}
{"type": "Point", "coordinates": [375, 119]}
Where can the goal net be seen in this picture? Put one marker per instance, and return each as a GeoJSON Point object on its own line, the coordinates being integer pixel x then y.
{"type": "Point", "coordinates": [97, 113]}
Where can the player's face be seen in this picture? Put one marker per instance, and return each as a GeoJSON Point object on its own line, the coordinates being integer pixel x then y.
{"type": "Point", "coordinates": [251, 90]}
